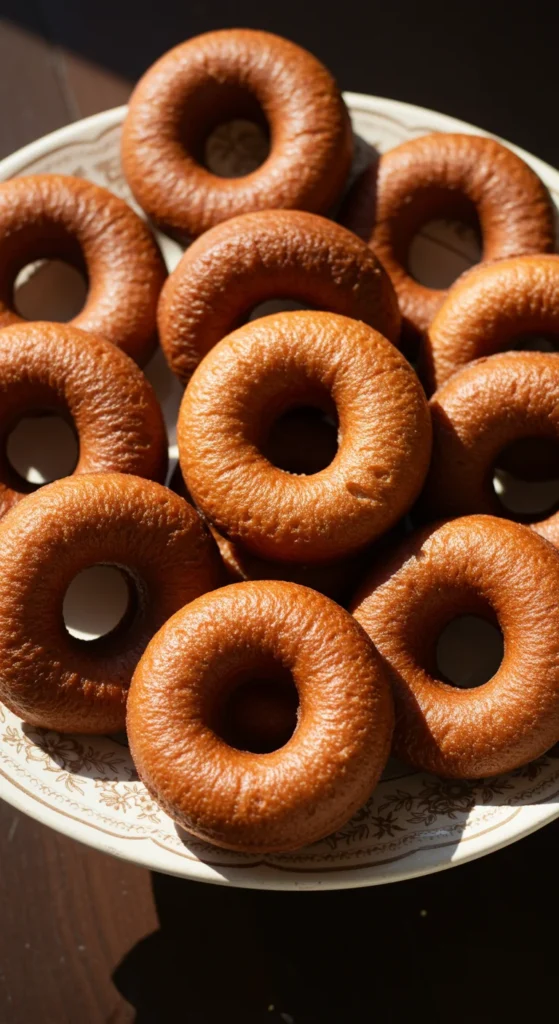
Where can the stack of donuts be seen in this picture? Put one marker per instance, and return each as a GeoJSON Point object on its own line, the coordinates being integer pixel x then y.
{"type": "Point", "coordinates": [333, 508]}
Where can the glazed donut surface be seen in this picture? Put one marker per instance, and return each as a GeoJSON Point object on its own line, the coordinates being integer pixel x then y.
{"type": "Point", "coordinates": [288, 797]}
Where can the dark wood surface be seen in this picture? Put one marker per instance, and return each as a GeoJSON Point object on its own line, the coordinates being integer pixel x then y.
{"type": "Point", "coordinates": [86, 938]}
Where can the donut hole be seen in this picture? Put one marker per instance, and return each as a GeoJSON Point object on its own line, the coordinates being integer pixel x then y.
{"type": "Point", "coordinates": [526, 478]}
{"type": "Point", "coordinates": [259, 713]}
{"type": "Point", "coordinates": [41, 448]}
{"type": "Point", "coordinates": [98, 601]}
{"type": "Point", "coordinates": [271, 306]}
{"type": "Point", "coordinates": [236, 148]}
{"type": "Point", "coordinates": [441, 251]}
{"type": "Point", "coordinates": [440, 236]}
{"type": "Point", "coordinates": [225, 129]}
{"type": "Point", "coordinates": [50, 290]}
{"type": "Point", "coordinates": [536, 343]}
{"type": "Point", "coordinates": [469, 651]}
{"type": "Point", "coordinates": [302, 440]}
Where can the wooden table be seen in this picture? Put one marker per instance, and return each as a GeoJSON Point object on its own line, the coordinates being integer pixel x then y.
{"type": "Point", "coordinates": [85, 938]}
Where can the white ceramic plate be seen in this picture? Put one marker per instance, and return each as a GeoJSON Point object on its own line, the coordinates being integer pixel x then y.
{"type": "Point", "coordinates": [86, 787]}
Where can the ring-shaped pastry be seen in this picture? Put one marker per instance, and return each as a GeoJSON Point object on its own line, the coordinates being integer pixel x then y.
{"type": "Point", "coordinates": [177, 713]}
{"type": "Point", "coordinates": [56, 216]}
{"type": "Point", "coordinates": [248, 380]}
{"type": "Point", "coordinates": [477, 565]}
{"type": "Point", "coordinates": [210, 80]}
{"type": "Point", "coordinates": [56, 369]}
{"type": "Point", "coordinates": [491, 308]}
{"type": "Point", "coordinates": [472, 178]}
{"type": "Point", "coordinates": [49, 677]}
{"type": "Point", "coordinates": [483, 409]}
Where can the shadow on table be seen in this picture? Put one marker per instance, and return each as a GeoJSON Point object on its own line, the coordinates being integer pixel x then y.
{"type": "Point", "coordinates": [465, 945]}
{"type": "Point", "coordinates": [249, 956]}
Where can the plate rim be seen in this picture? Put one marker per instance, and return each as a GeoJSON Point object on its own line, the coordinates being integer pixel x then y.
{"type": "Point", "coordinates": [523, 819]}
{"type": "Point", "coordinates": [110, 118]}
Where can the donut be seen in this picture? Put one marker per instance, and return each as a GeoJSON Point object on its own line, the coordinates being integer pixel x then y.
{"type": "Point", "coordinates": [48, 677]}
{"type": "Point", "coordinates": [207, 81]}
{"type": "Point", "coordinates": [56, 368]}
{"type": "Point", "coordinates": [54, 216]}
{"type": "Point", "coordinates": [479, 412]}
{"type": "Point", "coordinates": [254, 634]}
{"type": "Point", "coordinates": [296, 359]}
{"type": "Point", "coordinates": [491, 308]}
{"type": "Point", "coordinates": [268, 255]}
{"type": "Point", "coordinates": [482, 566]}
{"type": "Point", "coordinates": [473, 179]}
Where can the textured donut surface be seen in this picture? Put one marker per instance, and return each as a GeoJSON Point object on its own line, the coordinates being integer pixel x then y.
{"type": "Point", "coordinates": [476, 565]}
{"type": "Point", "coordinates": [49, 677]}
{"type": "Point", "coordinates": [56, 216]}
{"type": "Point", "coordinates": [288, 797]}
{"type": "Point", "coordinates": [248, 380]}
{"type": "Point", "coordinates": [273, 254]}
{"type": "Point", "coordinates": [210, 80]}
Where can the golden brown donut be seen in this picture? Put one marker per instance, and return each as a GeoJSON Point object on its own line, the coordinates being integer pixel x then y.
{"type": "Point", "coordinates": [209, 80]}
{"type": "Point", "coordinates": [268, 255]}
{"type": "Point", "coordinates": [250, 634]}
{"type": "Point", "coordinates": [467, 177]}
{"type": "Point", "coordinates": [54, 216]}
{"type": "Point", "coordinates": [489, 309]}
{"type": "Point", "coordinates": [298, 359]}
{"type": "Point", "coordinates": [155, 538]}
{"type": "Point", "coordinates": [481, 566]}
{"type": "Point", "coordinates": [476, 415]}
{"type": "Point", "coordinates": [54, 368]}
